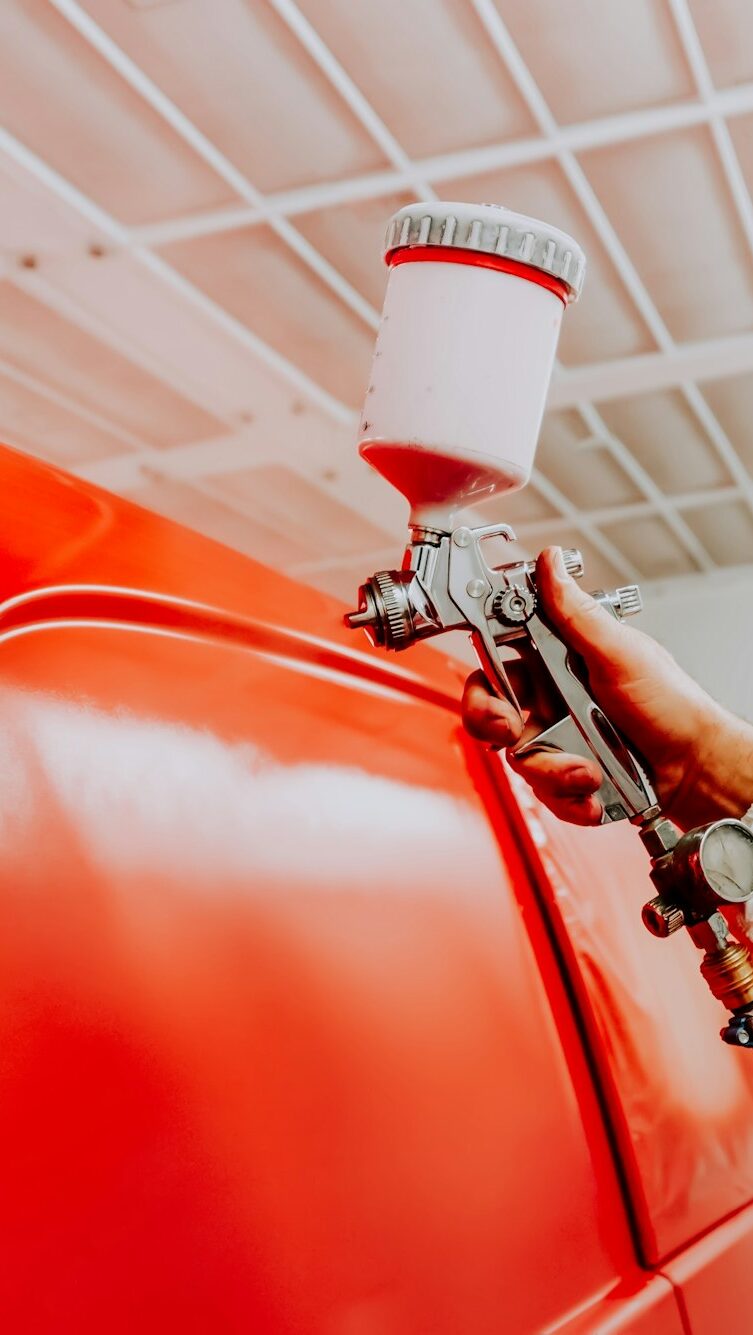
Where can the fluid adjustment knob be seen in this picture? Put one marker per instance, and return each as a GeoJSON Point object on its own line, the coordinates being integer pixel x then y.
{"type": "Point", "coordinates": [573, 560]}
{"type": "Point", "coordinates": [515, 605]}
{"type": "Point", "coordinates": [662, 918]}
{"type": "Point", "coordinates": [627, 601]}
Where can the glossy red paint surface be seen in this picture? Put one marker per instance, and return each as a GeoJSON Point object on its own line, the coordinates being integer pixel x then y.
{"type": "Point", "coordinates": [681, 1102]}
{"type": "Point", "coordinates": [285, 1043]}
{"type": "Point", "coordinates": [715, 1278]}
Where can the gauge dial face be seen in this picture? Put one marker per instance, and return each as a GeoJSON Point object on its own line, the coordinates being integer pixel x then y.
{"type": "Point", "coordinates": [726, 855]}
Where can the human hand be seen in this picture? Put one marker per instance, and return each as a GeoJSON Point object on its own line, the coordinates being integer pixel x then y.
{"type": "Point", "coordinates": [700, 756]}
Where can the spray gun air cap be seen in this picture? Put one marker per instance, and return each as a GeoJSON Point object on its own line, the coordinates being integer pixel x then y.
{"type": "Point", "coordinates": [464, 354]}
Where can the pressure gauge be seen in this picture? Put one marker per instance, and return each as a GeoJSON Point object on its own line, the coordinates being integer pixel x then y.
{"type": "Point", "coordinates": [718, 861]}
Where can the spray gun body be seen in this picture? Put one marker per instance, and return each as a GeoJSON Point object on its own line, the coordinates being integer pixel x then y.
{"type": "Point", "coordinates": [446, 584]}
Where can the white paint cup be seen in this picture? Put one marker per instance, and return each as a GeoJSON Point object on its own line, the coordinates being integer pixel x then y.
{"type": "Point", "coordinates": [464, 353]}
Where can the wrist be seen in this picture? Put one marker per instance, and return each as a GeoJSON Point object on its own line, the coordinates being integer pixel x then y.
{"type": "Point", "coordinates": [718, 777]}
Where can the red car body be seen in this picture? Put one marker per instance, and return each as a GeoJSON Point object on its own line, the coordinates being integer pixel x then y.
{"type": "Point", "coordinates": [309, 1021]}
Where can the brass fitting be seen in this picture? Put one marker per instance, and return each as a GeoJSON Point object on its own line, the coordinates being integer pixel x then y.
{"type": "Point", "coordinates": [729, 974]}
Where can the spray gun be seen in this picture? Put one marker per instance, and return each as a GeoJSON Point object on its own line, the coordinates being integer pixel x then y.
{"type": "Point", "coordinates": [461, 369]}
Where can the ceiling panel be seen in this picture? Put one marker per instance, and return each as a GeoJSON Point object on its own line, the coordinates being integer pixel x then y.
{"type": "Point", "coordinates": [587, 474]}
{"type": "Point", "coordinates": [604, 322]}
{"type": "Point", "coordinates": [731, 400]}
{"type": "Point", "coordinates": [726, 531]}
{"type": "Point", "coordinates": [352, 238]}
{"type": "Point", "coordinates": [68, 106]}
{"type": "Point", "coordinates": [666, 438]}
{"type": "Point", "coordinates": [34, 338]}
{"type": "Point", "coordinates": [651, 546]}
{"type": "Point", "coordinates": [725, 28]}
{"type": "Point", "coordinates": [599, 57]}
{"type": "Point", "coordinates": [741, 134]}
{"type": "Point", "coordinates": [217, 519]}
{"type": "Point", "coordinates": [426, 70]}
{"type": "Point", "coordinates": [44, 427]}
{"type": "Point", "coordinates": [240, 76]}
{"type": "Point", "coordinates": [31, 223]}
{"type": "Point", "coordinates": [121, 296]}
{"type": "Point", "coordinates": [668, 200]}
{"type": "Point", "coordinates": [515, 507]}
{"type": "Point", "coordinates": [276, 497]}
{"type": "Point", "coordinates": [599, 572]}
{"type": "Point", "coordinates": [254, 275]}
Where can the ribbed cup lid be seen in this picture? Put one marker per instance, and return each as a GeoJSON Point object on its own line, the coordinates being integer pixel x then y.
{"type": "Point", "coordinates": [492, 230]}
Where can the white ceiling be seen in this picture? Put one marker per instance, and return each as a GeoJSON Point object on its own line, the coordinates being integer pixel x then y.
{"type": "Point", "coordinates": [193, 200]}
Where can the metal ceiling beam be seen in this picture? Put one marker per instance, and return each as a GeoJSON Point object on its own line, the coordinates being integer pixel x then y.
{"type": "Point", "coordinates": [720, 134]}
{"type": "Point", "coordinates": [633, 510]}
{"type": "Point", "coordinates": [445, 167]}
{"type": "Point", "coordinates": [110, 230]}
{"type": "Point", "coordinates": [581, 186]}
{"type": "Point", "coordinates": [135, 77]}
{"type": "Point", "coordinates": [621, 377]}
{"type": "Point", "coordinates": [341, 81]}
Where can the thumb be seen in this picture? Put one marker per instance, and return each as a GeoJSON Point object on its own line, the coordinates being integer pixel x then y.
{"type": "Point", "coordinates": [584, 624]}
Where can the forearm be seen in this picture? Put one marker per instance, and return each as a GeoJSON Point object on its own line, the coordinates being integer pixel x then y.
{"type": "Point", "coordinates": [719, 777]}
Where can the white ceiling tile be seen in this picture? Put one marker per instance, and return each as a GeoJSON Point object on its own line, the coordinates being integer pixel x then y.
{"type": "Point", "coordinates": [604, 322]}
{"type": "Point", "coordinates": [599, 573]}
{"type": "Point", "coordinates": [178, 338]}
{"type": "Point", "coordinates": [277, 497]}
{"type": "Point", "coordinates": [515, 507]}
{"type": "Point", "coordinates": [33, 225]}
{"type": "Point", "coordinates": [352, 239]}
{"type": "Point", "coordinates": [42, 344]}
{"type": "Point", "coordinates": [668, 201]}
{"type": "Point", "coordinates": [187, 504]}
{"type": "Point", "coordinates": [731, 400]}
{"type": "Point", "coordinates": [64, 102]}
{"type": "Point", "coordinates": [725, 28]}
{"type": "Point", "coordinates": [588, 475]}
{"type": "Point", "coordinates": [259, 280]}
{"type": "Point", "coordinates": [741, 134]}
{"type": "Point", "coordinates": [598, 57]}
{"type": "Point", "coordinates": [726, 531]}
{"type": "Point", "coordinates": [426, 68]}
{"type": "Point", "coordinates": [651, 546]}
{"type": "Point", "coordinates": [665, 436]}
{"type": "Point", "coordinates": [245, 81]}
{"type": "Point", "coordinates": [32, 422]}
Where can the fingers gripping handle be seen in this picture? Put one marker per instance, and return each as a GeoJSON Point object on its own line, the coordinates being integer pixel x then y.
{"type": "Point", "coordinates": [585, 730]}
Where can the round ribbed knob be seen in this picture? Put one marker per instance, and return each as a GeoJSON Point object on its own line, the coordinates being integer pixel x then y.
{"type": "Point", "coordinates": [661, 918]}
{"type": "Point", "coordinates": [573, 561]}
{"type": "Point", "coordinates": [384, 611]}
{"type": "Point", "coordinates": [396, 617]}
{"type": "Point", "coordinates": [515, 605]}
{"type": "Point", "coordinates": [627, 602]}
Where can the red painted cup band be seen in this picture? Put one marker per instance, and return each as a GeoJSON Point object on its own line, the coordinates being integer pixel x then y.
{"type": "Point", "coordinates": [452, 255]}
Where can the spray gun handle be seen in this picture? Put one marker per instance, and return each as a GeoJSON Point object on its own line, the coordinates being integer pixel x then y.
{"type": "Point", "coordinates": [500, 606]}
{"type": "Point", "coordinates": [626, 791]}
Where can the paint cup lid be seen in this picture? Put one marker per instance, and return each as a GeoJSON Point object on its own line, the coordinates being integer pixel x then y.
{"type": "Point", "coordinates": [489, 229]}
